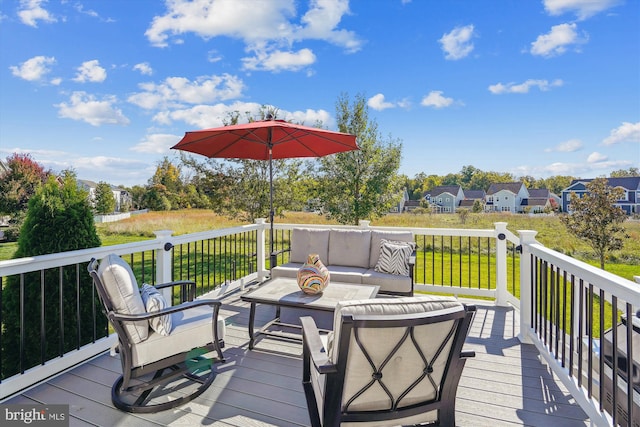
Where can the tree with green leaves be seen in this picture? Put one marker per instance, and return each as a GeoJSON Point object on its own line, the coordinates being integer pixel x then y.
{"type": "Point", "coordinates": [59, 218]}
{"type": "Point", "coordinates": [105, 200]}
{"type": "Point", "coordinates": [595, 219]}
{"type": "Point", "coordinates": [239, 188]}
{"type": "Point", "coordinates": [360, 184]}
{"type": "Point", "coordinates": [622, 173]}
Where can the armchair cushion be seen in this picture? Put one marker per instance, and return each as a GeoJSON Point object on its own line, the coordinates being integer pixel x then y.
{"type": "Point", "coordinates": [122, 289]}
{"type": "Point", "coordinates": [191, 329]}
{"type": "Point", "coordinates": [154, 301]}
{"type": "Point", "coordinates": [394, 257]}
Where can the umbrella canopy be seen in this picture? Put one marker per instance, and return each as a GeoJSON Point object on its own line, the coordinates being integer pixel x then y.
{"type": "Point", "coordinates": [266, 140]}
{"type": "Point", "coordinates": [252, 141]}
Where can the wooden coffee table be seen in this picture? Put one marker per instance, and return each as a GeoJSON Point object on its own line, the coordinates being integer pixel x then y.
{"type": "Point", "coordinates": [284, 292]}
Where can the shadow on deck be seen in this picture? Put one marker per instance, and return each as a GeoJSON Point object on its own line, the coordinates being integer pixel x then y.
{"type": "Point", "coordinates": [504, 385]}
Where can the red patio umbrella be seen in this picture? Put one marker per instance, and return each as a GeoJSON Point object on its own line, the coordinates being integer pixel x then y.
{"type": "Point", "coordinates": [266, 140]}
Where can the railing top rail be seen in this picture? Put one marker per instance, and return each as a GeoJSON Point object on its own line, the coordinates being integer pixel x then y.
{"type": "Point", "coordinates": [41, 262]}
{"type": "Point", "coordinates": [608, 282]}
{"type": "Point", "coordinates": [211, 234]}
{"type": "Point", "coordinates": [490, 232]}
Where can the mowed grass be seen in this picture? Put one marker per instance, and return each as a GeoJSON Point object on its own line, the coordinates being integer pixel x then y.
{"type": "Point", "coordinates": [550, 231]}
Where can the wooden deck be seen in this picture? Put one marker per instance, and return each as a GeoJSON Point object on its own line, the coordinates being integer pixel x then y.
{"type": "Point", "coordinates": [504, 385]}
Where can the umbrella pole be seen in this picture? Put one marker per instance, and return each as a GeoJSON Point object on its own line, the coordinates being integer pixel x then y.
{"type": "Point", "coordinates": [272, 255]}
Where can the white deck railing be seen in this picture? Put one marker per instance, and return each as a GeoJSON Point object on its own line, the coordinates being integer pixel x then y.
{"type": "Point", "coordinates": [499, 256]}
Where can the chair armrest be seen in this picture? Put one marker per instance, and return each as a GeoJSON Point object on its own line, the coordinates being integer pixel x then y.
{"type": "Point", "coordinates": [313, 345]}
{"type": "Point", "coordinates": [188, 288]}
{"type": "Point", "coordinates": [281, 251]}
{"type": "Point", "coordinates": [173, 309]}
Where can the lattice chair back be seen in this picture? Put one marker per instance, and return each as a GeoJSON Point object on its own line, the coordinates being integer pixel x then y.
{"type": "Point", "coordinates": [397, 361]}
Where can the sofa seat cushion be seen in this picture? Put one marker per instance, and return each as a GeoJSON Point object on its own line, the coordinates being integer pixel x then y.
{"type": "Point", "coordinates": [376, 241]}
{"type": "Point", "coordinates": [305, 241]}
{"type": "Point", "coordinates": [191, 329]}
{"type": "Point", "coordinates": [122, 289]}
{"type": "Point", "coordinates": [349, 247]}
{"type": "Point", "coordinates": [344, 274]}
{"type": "Point", "coordinates": [289, 269]}
{"type": "Point", "coordinates": [390, 283]}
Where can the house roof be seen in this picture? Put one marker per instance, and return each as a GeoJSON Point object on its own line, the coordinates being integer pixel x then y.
{"type": "Point", "coordinates": [513, 187]}
{"type": "Point", "coordinates": [474, 194]}
{"type": "Point", "coordinates": [535, 201]}
{"type": "Point", "coordinates": [436, 191]}
{"type": "Point", "coordinates": [631, 183]}
{"type": "Point", "coordinates": [539, 192]}
{"type": "Point", "coordinates": [467, 203]}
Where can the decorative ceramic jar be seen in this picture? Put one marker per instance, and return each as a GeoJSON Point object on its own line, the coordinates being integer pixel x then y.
{"type": "Point", "coordinates": [313, 276]}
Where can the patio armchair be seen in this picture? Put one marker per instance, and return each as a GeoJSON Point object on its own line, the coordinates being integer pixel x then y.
{"type": "Point", "coordinates": [164, 350]}
{"type": "Point", "coordinates": [387, 362]}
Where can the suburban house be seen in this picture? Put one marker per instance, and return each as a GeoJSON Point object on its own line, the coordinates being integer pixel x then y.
{"type": "Point", "coordinates": [122, 196]}
{"type": "Point", "coordinates": [400, 206]}
{"type": "Point", "coordinates": [630, 203]}
{"type": "Point", "coordinates": [540, 200]}
{"type": "Point", "coordinates": [410, 205]}
{"type": "Point", "coordinates": [444, 198]}
{"type": "Point", "coordinates": [506, 197]}
{"type": "Point", "coordinates": [470, 198]}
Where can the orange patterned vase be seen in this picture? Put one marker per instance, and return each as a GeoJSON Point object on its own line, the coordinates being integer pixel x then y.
{"type": "Point", "coordinates": [313, 276]}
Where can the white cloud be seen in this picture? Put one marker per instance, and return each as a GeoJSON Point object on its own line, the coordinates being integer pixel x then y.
{"type": "Point", "coordinates": [90, 71]}
{"type": "Point", "coordinates": [567, 146]}
{"type": "Point", "coordinates": [557, 40]}
{"type": "Point", "coordinates": [208, 116]}
{"type": "Point", "coordinates": [158, 143]}
{"type": "Point", "coordinates": [457, 43]}
{"type": "Point", "coordinates": [435, 99]}
{"type": "Point", "coordinates": [582, 8]}
{"type": "Point", "coordinates": [176, 91]}
{"type": "Point", "coordinates": [625, 132]}
{"type": "Point", "coordinates": [596, 157]}
{"type": "Point", "coordinates": [31, 11]}
{"type": "Point", "coordinates": [33, 69]}
{"type": "Point", "coordinates": [594, 168]}
{"type": "Point", "coordinates": [378, 103]}
{"type": "Point", "coordinates": [144, 68]}
{"type": "Point", "coordinates": [87, 108]}
{"type": "Point", "coordinates": [268, 29]}
{"type": "Point", "coordinates": [543, 85]}
{"type": "Point", "coordinates": [279, 60]}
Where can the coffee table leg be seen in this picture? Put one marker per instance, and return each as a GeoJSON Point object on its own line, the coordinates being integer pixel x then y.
{"type": "Point", "coordinates": [252, 318]}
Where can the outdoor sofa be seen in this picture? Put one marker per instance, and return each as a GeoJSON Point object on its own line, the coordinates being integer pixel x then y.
{"type": "Point", "coordinates": [371, 257]}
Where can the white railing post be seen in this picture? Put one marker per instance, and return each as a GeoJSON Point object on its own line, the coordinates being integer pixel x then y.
{"type": "Point", "coordinates": [260, 249]}
{"type": "Point", "coordinates": [163, 265]}
{"type": "Point", "coordinates": [501, 263]}
{"type": "Point", "coordinates": [526, 292]}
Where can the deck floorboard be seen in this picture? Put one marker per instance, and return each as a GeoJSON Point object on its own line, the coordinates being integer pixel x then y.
{"type": "Point", "coordinates": [506, 384]}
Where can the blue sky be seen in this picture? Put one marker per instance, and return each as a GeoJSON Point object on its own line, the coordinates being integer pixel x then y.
{"type": "Point", "coordinates": [531, 87]}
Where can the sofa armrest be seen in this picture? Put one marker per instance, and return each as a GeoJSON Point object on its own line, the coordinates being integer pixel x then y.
{"type": "Point", "coordinates": [412, 263]}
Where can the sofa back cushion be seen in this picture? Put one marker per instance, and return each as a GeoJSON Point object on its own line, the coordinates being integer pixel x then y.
{"type": "Point", "coordinates": [305, 241]}
{"type": "Point", "coordinates": [122, 290]}
{"type": "Point", "coordinates": [349, 247]}
{"type": "Point", "coordinates": [376, 242]}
